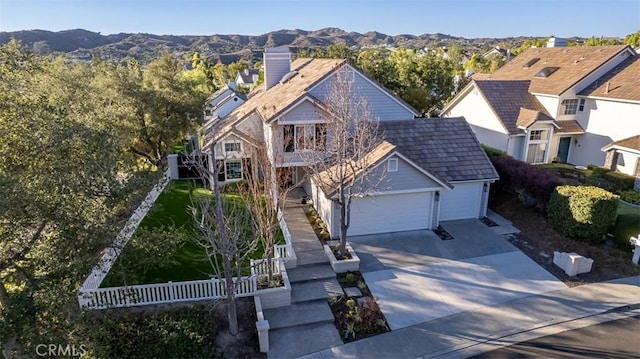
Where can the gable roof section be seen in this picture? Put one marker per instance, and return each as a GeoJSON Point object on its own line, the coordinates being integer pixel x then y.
{"type": "Point", "coordinates": [506, 99]}
{"type": "Point", "coordinates": [444, 147]}
{"type": "Point", "coordinates": [574, 64]}
{"type": "Point", "coordinates": [631, 144]}
{"type": "Point", "coordinates": [527, 117]}
{"type": "Point", "coordinates": [622, 82]}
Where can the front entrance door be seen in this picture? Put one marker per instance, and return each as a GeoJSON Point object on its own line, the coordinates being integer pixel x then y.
{"type": "Point", "coordinates": [563, 149]}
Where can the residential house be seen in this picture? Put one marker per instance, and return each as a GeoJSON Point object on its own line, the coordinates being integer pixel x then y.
{"type": "Point", "coordinates": [624, 156]}
{"type": "Point", "coordinates": [555, 103]}
{"type": "Point", "coordinates": [223, 101]}
{"type": "Point", "coordinates": [434, 169]}
{"type": "Point", "coordinates": [248, 77]}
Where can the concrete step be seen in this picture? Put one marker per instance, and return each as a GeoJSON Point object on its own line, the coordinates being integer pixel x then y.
{"type": "Point", "coordinates": [310, 272]}
{"type": "Point", "coordinates": [298, 341]}
{"type": "Point", "coordinates": [297, 314]}
{"type": "Point", "coordinates": [312, 257]}
{"type": "Point", "coordinates": [306, 246]}
{"type": "Point", "coordinates": [315, 290]}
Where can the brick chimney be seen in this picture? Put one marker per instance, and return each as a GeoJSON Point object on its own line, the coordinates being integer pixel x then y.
{"type": "Point", "coordinates": [277, 63]}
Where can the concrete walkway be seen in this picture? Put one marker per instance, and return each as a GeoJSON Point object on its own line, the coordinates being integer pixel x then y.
{"type": "Point", "coordinates": [306, 325]}
{"type": "Point", "coordinates": [473, 332]}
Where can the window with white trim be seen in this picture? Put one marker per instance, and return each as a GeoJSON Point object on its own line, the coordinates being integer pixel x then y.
{"type": "Point", "coordinates": [570, 106]}
{"type": "Point", "coordinates": [392, 165]}
{"type": "Point", "coordinates": [304, 137]}
{"type": "Point", "coordinates": [537, 147]}
{"type": "Point", "coordinates": [233, 168]}
{"type": "Point", "coordinates": [232, 147]}
{"type": "Point", "coordinates": [581, 105]}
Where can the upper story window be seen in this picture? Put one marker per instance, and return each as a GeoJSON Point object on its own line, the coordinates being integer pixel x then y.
{"type": "Point", "coordinates": [570, 106]}
{"type": "Point", "coordinates": [304, 137]}
{"type": "Point", "coordinates": [581, 105]}
{"type": "Point", "coordinates": [392, 165]}
{"type": "Point", "coordinates": [232, 147]}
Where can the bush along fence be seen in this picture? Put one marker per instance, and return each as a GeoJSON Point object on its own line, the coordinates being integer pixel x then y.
{"type": "Point", "coordinates": [91, 296]}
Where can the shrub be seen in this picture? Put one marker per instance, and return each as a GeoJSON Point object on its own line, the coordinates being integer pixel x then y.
{"type": "Point", "coordinates": [533, 184]}
{"type": "Point", "coordinates": [631, 196]}
{"type": "Point", "coordinates": [182, 332]}
{"type": "Point", "coordinates": [583, 212]}
{"type": "Point", "coordinates": [598, 171]}
{"type": "Point", "coordinates": [493, 152]}
{"type": "Point", "coordinates": [620, 181]}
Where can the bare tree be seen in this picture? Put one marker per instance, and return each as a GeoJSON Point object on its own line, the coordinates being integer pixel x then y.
{"type": "Point", "coordinates": [342, 160]}
{"type": "Point", "coordinates": [263, 193]}
{"type": "Point", "coordinates": [224, 229]}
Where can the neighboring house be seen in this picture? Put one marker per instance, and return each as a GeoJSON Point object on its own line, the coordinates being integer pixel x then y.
{"type": "Point", "coordinates": [222, 102]}
{"type": "Point", "coordinates": [248, 77]}
{"type": "Point", "coordinates": [435, 168]}
{"type": "Point", "coordinates": [555, 103]}
{"type": "Point", "coordinates": [498, 52]}
{"type": "Point", "coordinates": [624, 156]}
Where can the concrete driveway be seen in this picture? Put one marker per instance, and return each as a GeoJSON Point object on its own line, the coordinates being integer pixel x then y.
{"type": "Point", "coordinates": [417, 277]}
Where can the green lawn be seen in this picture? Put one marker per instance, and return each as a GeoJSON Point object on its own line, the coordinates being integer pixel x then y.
{"type": "Point", "coordinates": [164, 247]}
{"type": "Point", "coordinates": [627, 224]}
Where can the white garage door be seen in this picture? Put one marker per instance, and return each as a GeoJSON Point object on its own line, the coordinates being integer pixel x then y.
{"type": "Point", "coordinates": [391, 213]}
{"type": "Point", "coordinates": [461, 202]}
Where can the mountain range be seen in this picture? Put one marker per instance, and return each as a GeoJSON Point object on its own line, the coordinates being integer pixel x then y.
{"type": "Point", "coordinates": [82, 44]}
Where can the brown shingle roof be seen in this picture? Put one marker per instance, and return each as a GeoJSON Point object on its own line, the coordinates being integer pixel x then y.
{"type": "Point", "coordinates": [568, 126]}
{"type": "Point", "coordinates": [528, 117]}
{"type": "Point", "coordinates": [272, 102]}
{"type": "Point", "coordinates": [629, 142]}
{"type": "Point", "coordinates": [506, 98]}
{"type": "Point", "coordinates": [622, 82]}
{"type": "Point", "coordinates": [574, 63]}
{"type": "Point", "coordinates": [444, 147]}
{"type": "Point", "coordinates": [327, 180]}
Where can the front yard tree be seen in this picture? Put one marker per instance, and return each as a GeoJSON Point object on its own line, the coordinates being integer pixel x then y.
{"type": "Point", "coordinates": [223, 228]}
{"type": "Point", "coordinates": [61, 190]}
{"type": "Point", "coordinates": [341, 160]}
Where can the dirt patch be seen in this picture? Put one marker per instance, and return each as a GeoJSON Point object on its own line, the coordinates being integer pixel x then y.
{"type": "Point", "coordinates": [245, 343]}
{"type": "Point", "coordinates": [539, 240]}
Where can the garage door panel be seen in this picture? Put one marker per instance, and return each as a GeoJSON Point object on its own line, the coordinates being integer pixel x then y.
{"type": "Point", "coordinates": [391, 213]}
{"type": "Point", "coordinates": [462, 202]}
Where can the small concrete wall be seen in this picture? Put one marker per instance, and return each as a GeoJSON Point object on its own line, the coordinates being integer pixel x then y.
{"type": "Point", "coordinates": [276, 297]}
{"type": "Point", "coordinates": [572, 263]}
{"type": "Point", "coordinates": [262, 326]}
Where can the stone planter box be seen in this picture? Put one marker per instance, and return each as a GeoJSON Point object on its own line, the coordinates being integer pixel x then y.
{"type": "Point", "coordinates": [276, 297]}
{"type": "Point", "coordinates": [345, 265]}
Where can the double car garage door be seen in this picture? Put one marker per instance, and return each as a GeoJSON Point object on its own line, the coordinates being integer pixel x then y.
{"type": "Point", "coordinates": [391, 213]}
{"type": "Point", "coordinates": [413, 211]}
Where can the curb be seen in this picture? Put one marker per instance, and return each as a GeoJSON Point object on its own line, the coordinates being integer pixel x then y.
{"type": "Point", "coordinates": [543, 330]}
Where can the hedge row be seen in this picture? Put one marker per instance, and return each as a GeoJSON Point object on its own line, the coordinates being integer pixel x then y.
{"type": "Point", "coordinates": [631, 196]}
{"type": "Point", "coordinates": [582, 212]}
{"type": "Point", "coordinates": [533, 184]}
{"type": "Point", "coordinates": [610, 180]}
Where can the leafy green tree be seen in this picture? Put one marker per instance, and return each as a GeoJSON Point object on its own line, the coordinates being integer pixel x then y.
{"type": "Point", "coordinates": [633, 39]}
{"type": "Point", "coordinates": [65, 190]}
{"type": "Point", "coordinates": [535, 42]}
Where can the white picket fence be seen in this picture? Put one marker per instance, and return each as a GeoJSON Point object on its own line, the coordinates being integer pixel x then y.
{"type": "Point", "coordinates": [285, 251]}
{"type": "Point", "coordinates": [90, 296]}
{"type": "Point", "coordinates": [148, 294]}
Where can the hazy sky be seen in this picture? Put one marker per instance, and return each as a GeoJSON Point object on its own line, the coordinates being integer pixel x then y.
{"type": "Point", "coordinates": [468, 18]}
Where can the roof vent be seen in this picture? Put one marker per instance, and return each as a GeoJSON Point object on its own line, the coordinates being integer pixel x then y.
{"type": "Point", "coordinates": [531, 62]}
{"type": "Point", "coordinates": [288, 76]}
{"type": "Point", "coordinates": [547, 71]}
